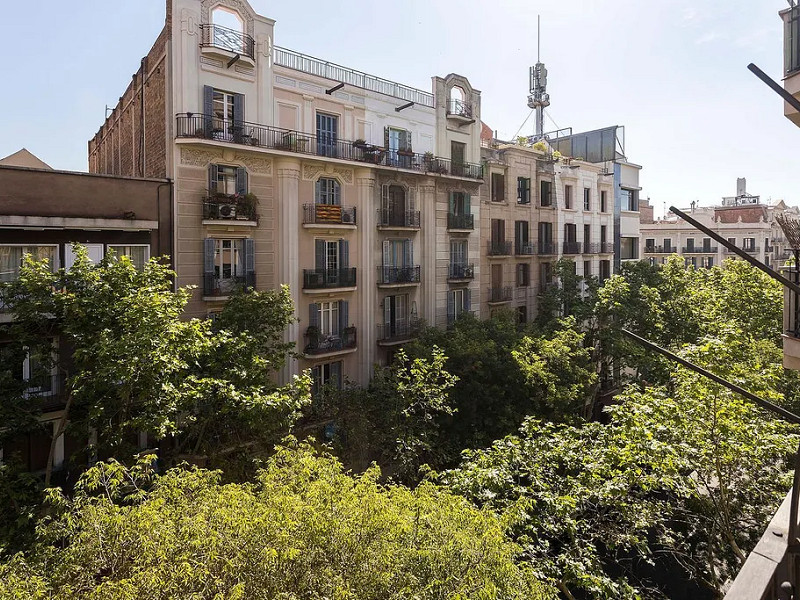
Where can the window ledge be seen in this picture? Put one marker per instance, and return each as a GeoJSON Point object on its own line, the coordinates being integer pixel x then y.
{"type": "Point", "coordinates": [330, 226]}
{"type": "Point", "coordinates": [322, 355]}
{"type": "Point", "coordinates": [396, 228]}
{"type": "Point", "coordinates": [229, 223]}
{"type": "Point", "coordinates": [330, 290]}
{"type": "Point", "coordinates": [399, 285]}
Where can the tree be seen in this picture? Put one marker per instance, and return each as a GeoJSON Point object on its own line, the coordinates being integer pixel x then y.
{"type": "Point", "coordinates": [574, 295]}
{"type": "Point", "coordinates": [303, 529]}
{"type": "Point", "coordinates": [137, 365]}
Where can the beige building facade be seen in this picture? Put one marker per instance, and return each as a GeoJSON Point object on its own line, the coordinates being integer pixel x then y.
{"type": "Point", "coordinates": [346, 187]}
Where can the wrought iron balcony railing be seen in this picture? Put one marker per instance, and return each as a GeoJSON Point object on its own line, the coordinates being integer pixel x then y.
{"type": "Point", "coordinates": [195, 125]}
{"type": "Point", "coordinates": [459, 108]}
{"type": "Point", "coordinates": [319, 343]}
{"type": "Point", "coordinates": [460, 221]}
{"type": "Point", "coordinates": [315, 279]}
{"type": "Point", "coordinates": [229, 208]}
{"type": "Point", "coordinates": [400, 330]}
{"type": "Point", "coordinates": [328, 214]}
{"type": "Point", "coordinates": [498, 248]}
{"type": "Point", "coordinates": [461, 271]}
{"type": "Point", "coordinates": [391, 218]}
{"type": "Point", "coordinates": [524, 248]}
{"type": "Point", "coordinates": [547, 248]}
{"type": "Point", "coordinates": [608, 248]}
{"type": "Point", "coordinates": [224, 286]}
{"type": "Point", "coordinates": [499, 294]}
{"type": "Point", "coordinates": [391, 275]}
{"type": "Point", "coordinates": [572, 248]}
{"type": "Point", "coordinates": [592, 248]}
{"type": "Point", "coordinates": [227, 39]}
{"type": "Point", "coordinates": [700, 249]}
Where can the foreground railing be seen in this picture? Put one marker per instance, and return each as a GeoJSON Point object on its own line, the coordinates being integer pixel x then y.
{"type": "Point", "coordinates": [195, 125]}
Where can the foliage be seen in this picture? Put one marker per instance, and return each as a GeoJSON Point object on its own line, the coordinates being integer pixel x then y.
{"type": "Point", "coordinates": [304, 529]}
{"type": "Point", "coordinates": [573, 295]}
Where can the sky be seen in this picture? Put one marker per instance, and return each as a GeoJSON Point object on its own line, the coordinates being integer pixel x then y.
{"type": "Point", "coordinates": [672, 72]}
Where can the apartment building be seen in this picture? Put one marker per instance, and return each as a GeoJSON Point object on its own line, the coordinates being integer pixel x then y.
{"type": "Point", "coordinates": [354, 190]}
{"type": "Point", "coordinates": [743, 220]}
{"type": "Point", "coordinates": [42, 212]}
{"type": "Point", "coordinates": [538, 207]}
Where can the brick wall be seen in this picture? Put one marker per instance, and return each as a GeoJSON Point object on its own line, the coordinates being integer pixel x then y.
{"type": "Point", "coordinates": [118, 147]}
{"type": "Point", "coordinates": [645, 211]}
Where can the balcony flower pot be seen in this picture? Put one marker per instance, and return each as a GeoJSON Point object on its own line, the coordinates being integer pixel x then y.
{"type": "Point", "coordinates": [359, 143]}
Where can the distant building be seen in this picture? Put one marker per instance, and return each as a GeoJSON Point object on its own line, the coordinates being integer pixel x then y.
{"type": "Point", "coordinates": [742, 219]}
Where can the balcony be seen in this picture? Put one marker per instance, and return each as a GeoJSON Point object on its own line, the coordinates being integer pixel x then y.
{"type": "Point", "coordinates": [230, 41]}
{"type": "Point", "coordinates": [700, 249]}
{"type": "Point", "coordinates": [572, 247]}
{"type": "Point", "coordinates": [547, 248]}
{"type": "Point", "coordinates": [499, 295]}
{"type": "Point", "coordinates": [791, 60]}
{"type": "Point", "coordinates": [461, 272]}
{"type": "Point", "coordinates": [391, 276]}
{"type": "Point", "coordinates": [748, 249]}
{"type": "Point", "coordinates": [329, 214]}
{"type": "Point", "coordinates": [324, 279]}
{"type": "Point", "coordinates": [524, 248]}
{"type": "Point", "coordinates": [460, 111]}
{"type": "Point", "coordinates": [391, 219]}
{"type": "Point", "coordinates": [657, 249]}
{"type": "Point", "coordinates": [318, 344]}
{"type": "Point", "coordinates": [460, 222]}
{"type": "Point", "coordinates": [591, 248]}
{"type": "Point", "coordinates": [195, 125]}
{"type": "Point", "coordinates": [219, 288]}
{"type": "Point", "coordinates": [402, 330]}
{"type": "Point", "coordinates": [238, 208]}
{"type": "Point", "coordinates": [501, 248]}
{"type": "Point", "coordinates": [606, 248]}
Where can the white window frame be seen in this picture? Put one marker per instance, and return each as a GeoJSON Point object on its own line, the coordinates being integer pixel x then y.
{"type": "Point", "coordinates": [125, 249]}
{"type": "Point", "coordinates": [236, 262]}
{"type": "Point", "coordinates": [26, 374]}
{"type": "Point", "coordinates": [56, 263]}
{"type": "Point", "coordinates": [458, 302]}
{"type": "Point", "coordinates": [226, 100]}
{"type": "Point", "coordinates": [329, 191]}
{"type": "Point", "coordinates": [322, 374]}
{"type": "Point", "coordinates": [226, 179]}
{"type": "Point", "coordinates": [332, 258]}
{"type": "Point", "coordinates": [329, 318]}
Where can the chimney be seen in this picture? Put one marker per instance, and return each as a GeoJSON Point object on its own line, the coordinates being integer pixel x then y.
{"type": "Point", "coordinates": [741, 186]}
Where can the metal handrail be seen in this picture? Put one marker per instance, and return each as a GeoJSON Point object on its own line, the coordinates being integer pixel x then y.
{"type": "Point", "coordinates": [227, 39]}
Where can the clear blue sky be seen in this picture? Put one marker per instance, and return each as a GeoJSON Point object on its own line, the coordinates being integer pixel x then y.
{"type": "Point", "coordinates": [673, 72]}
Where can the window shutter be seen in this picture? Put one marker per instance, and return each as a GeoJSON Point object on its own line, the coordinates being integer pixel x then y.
{"type": "Point", "coordinates": [213, 178]}
{"type": "Point", "coordinates": [336, 375]}
{"type": "Point", "coordinates": [387, 313]}
{"type": "Point", "coordinates": [319, 254]}
{"type": "Point", "coordinates": [209, 247]}
{"type": "Point", "coordinates": [406, 139]}
{"type": "Point", "coordinates": [336, 190]}
{"type": "Point", "coordinates": [318, 192]}
{"type": "Point", "coordinates": [452, 203]}
{"type": "Point", "coordinates": [467, 210]}
{"type": "Point", "coordinates": [387, 254]}
{"type": "Point", "coordinates": [250, 262]}
{"type": "Point", "coordinates": [313, 315]}
{"type": "Point", "coordinates": [467, 299]}
{"type": "Point", "coordinates": [344, 254]}
{"type": "Point", "coordinates": [241, 180]}
{"type": "Point", "coordinates": [386, 137]}
{"type": "Point", "coordinates": [451, 305]}
{"type": "Point", "coordinates": [344, 316]}
{"type": "Point", "coordinates": [385, 197]}
{"type": "Point", "coordinates": [238, 110]}
{"type": "Point", "coordinates": [408, 253]}
{"type": "Point", "coordinates": [520, 186]}
{"type": "Point", "coordinates": [208, 108]}
{"type": "Point", "coordinates": [411, 198]}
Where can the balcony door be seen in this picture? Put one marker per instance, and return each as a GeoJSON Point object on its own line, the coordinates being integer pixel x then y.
{"type": "Point", "coordinates": [497, 276]}
{"type": "Point", "coordinates": [327, 134]}
{"type": "Point", "coordinates": [457, 151]}
{"type": "Point", "coordinates": [396, 208]}
{"type": "Point", "coordinates": [395, 315]}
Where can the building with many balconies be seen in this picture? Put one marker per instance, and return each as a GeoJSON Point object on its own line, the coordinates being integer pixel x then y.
{"type": "Point", "coordinates": [352, 189]}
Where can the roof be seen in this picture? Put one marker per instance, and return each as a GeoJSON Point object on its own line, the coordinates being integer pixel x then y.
{"type": "Point", "coordinates": [24, 158]}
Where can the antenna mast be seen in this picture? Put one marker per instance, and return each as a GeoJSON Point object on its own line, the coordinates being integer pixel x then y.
{"type": "Point", "coordinates": [538, 98]}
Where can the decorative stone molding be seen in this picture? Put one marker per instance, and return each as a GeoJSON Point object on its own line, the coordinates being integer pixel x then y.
{"type": "Point", "coordinates": [206, 6]}
{"type": "Point", "coordinates": [254, 164]}
{"type": "Point", "coordinates": [288, 173]}
{"type": "Point", "coordinates": [345, 174]}
{"type": "Point", "coordinates": [311, 171]}
{"type": "Point", "coordinates": [189, 22]}
{"type": "Point", "coordinates": [197, 158]}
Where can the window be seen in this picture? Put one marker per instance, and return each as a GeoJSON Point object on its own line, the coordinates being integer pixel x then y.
{"type": "Point", "coordinates": [749, 244]}
{"type": "Point", "coordinates": [546, 193]}
{"type": "Point", "coordinates": [546, 245]}
{"type": "Point", "coordinates": [706, 244]}
{"type": "Point", "coordinates": [458, 252]}
{"type": "Point", "coordinates": [587, 237]}
{"type": "Point", "coordinates": [328, 318]}
{"type": "Point", "coordinates": [690, 244]}
{"type": "Point", "coordinates": [587, 268]}
{"type": "Point", "coordinates": [649, 244]}
{"type": "Point", "coordinates": [327, 191]}
{"type": "Point", "coordinates": [667, 245]}
{"type": "Point", "coordinates": [629, 248]}
{"type": "Point", "coordinates": [498, 229]}
{"type": "Point", "coordinates": [11, 259]}
{"type": "Point", "coordinates": [523, 190]}
{"type": "Point", "coordinates": [587, 198]}
{"type": "Point", "coordinates": [523, 275]}
{"type": "Point", "coordinates": [521, 237]}
{"type": "Point", "coordinates": [459, 203]}
{"type": "Point", "coordinates": [398, 143]}
{"type": "Point", "coordinates": [603, 234]}
{"type": "Point", "coordinates": [570, 233]}
{"type": "Point", "coordinates": [545, 274]}
{"type": "Point", "coordinates": [522, 314]}
{"type": "Point", "coordinates": [732, 241]}
{"type": "Point", "coordinates": [708, 262]}
{"type": "Point", "coordinates": [398, 253]}
{"type": "Point", "coordinates": [327, 375]}
{"type": "Point", "coordinates": [567, 196]}
{"type": "Point", "coordinates": [458, 302]}
{"type": "Point", "coordinates": [327, 134]}
{"type": "Point", "coordinates": [498, 187]}
{"type": "Point", "coordinates": [138, 254]}
{"type": "Point", "coordinates": [223, 179]}
{"type": "Point", "coordinates": [457, 157]}
{"type": "Point", "coordinates": [395, 315]}
{"type": "Point", "coordinates": [603, 196]}
{"type": "Point", "coordinates": [228, 263]}
{"type": "Point", "coordinates": [630, 199]}
{"type": "Point", "coordinates": [605, 270]}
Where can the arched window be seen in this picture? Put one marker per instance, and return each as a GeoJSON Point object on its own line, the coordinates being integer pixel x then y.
{"type": "Point", "coordinates": [228, 29]}
{"type": "Point", "coordinates": [457, 103]}
{"type": "Point", "coordinates": [328, 191]}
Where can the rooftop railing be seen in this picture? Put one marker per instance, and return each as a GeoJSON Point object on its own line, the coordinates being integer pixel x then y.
{"type": "Point", "coordinates": [322, 68]}
{"type": "Point", "coordinates": [196, 125]}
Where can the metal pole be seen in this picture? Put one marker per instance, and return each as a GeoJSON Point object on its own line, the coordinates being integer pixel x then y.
{"type": "Point", "coordinates": [741, 253]}
{"type": "Point", "coordinates": [775, 87]}
{"type": "Point", "coordinates": [766, 404]}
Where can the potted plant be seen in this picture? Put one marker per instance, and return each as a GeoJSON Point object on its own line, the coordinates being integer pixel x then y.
{"type": "Point", "coordinates": [359, 143]}
{"type": "Point", "coordinates": [314, 336]}
{"type": "Point", "coordinates": [247, 206]}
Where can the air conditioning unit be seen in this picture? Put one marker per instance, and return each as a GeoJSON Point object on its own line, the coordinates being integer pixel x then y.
{"type": "Point", "coordinates": [347, 217]}
{"type": "Point", "coordinates": [227, 211]}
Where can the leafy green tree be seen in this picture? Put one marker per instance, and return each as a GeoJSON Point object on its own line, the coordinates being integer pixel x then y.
{"type": "Point", "coordinates": [303, 529]}
{"type": "Point", "coordinates": [571, 295]}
